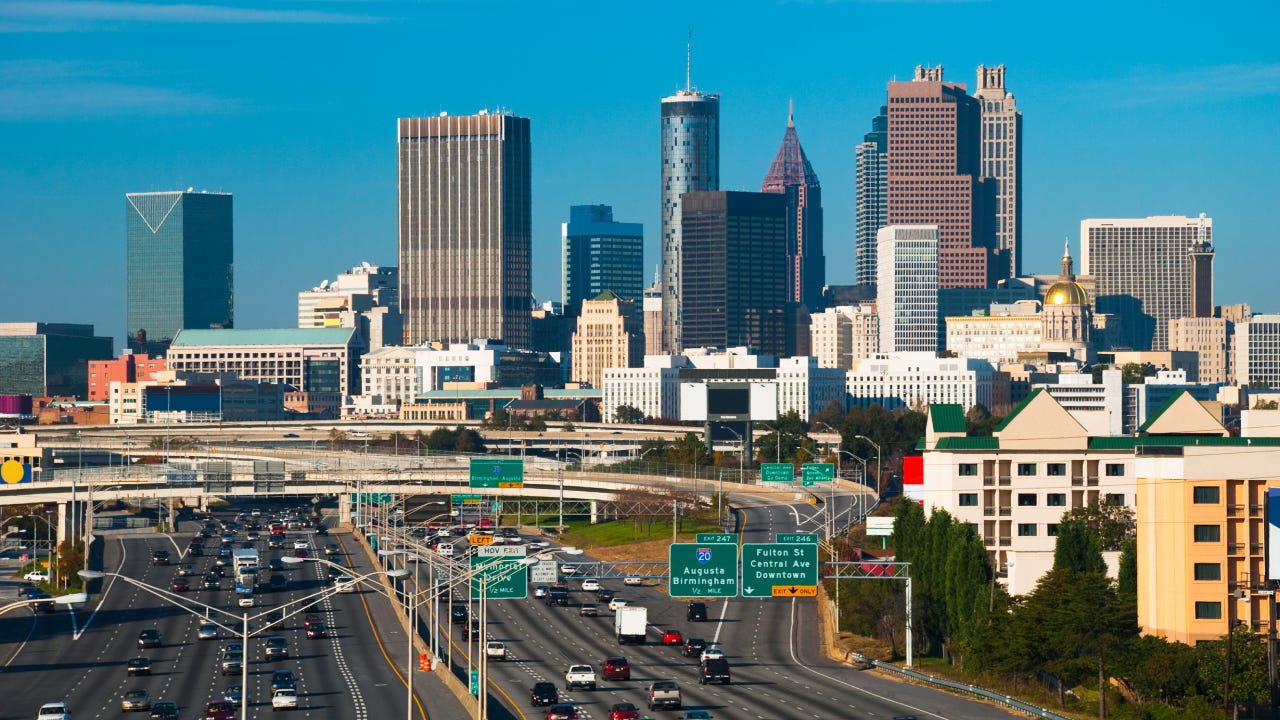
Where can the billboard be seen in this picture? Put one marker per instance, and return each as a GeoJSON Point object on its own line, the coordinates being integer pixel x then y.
{"type": "Point", "coordinates": [731, 401]}
{"type": "Point", "coordinates": [1273, 533]}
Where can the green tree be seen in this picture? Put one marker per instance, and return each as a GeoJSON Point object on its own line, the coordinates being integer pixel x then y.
{"type": "Point", "coordinates": [1127, 580]}
{"type": "Point", "coordinates": [689, 450]}
{"type": "Point", "coordinates": [628, 415]}
{"type": "Point", "coordinates": [1110, 523]}
{"type": "Point", "coordinates": [967, 591]}
{"type": "Point", "coordinates": [979, 422]}
{"type": "Point", "coordinates": [1249, 678]}
{"type": "Point", "coordinates": [833, 415]}
{"type": "Point", "coordinates": [1161, 670]}
{"type": "Point", "coordinates": [1077, 548]}
{"type": "Point", "coordinates": [1136, 373]}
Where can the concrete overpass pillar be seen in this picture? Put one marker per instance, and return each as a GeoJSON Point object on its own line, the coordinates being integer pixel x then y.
{"type": "Point", "coordinates": [595, 511]}
{"type": "Point", "coordinates": [344, 508]}
{"type": "Point", "coordinates": [64, 522]}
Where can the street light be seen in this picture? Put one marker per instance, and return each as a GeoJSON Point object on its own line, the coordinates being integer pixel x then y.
{"type": "Point", "coordinates": [879, 470]}
{"type": "Point", "coordinates": [48, 545]}
{"type": "Point", "coordinates": [73, 599]}
{"type": "Point", "coordinates": [777, 438]}
{"type": "Point", "coordinates": [742, 451]}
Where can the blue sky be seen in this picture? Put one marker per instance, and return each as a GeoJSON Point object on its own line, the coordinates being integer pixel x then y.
{"type": "Point", "coordinates": [1130, 109]}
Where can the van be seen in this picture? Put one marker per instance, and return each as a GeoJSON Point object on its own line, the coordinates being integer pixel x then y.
{"type": "Point", "coordinates": [445, 549]}
{"type": "Point", "coordinates": [713, 670]}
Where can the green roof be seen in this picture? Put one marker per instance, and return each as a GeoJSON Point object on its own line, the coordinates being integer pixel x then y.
{"type": "Point", "coordinates": [606, 295]}
{"type": "Point", "coordinates": [1025, 401]}
{"type": "Point", "coordinates": [968, 443]}
{"type": "Point", "coordinates": [282, 336]}
{"type": "Point", "coordinates": [947, 418]}
{"type": "Point", "coordinates": [1127, 442]}
{"type": "Point", "coordinates": [1160, 410]}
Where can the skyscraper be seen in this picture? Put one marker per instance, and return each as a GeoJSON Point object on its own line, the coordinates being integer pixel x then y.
{"type": "Point", "coordinates": [792, 176]}
{"type": "Point", "coordinates": [690, 162]}
{"type": "Point", "coordinates": [872, 190]}
{"type": "Point", "coordinates": [178, 267]}
{"type": "Point", "coordinates": [599, 255]}
{"type": "Point", "coordinates": [735, 283]}
{"type": "Point", "coordinates": [1145, 271]}
{"type": "Point", "coordinates": [933, 174]}
{"type": "Point", "coordinates": [1002, 163]}
{"type": "Point", "coordinates": [465, 228]}
{"type": "Point", "coordinates": [907, 288]}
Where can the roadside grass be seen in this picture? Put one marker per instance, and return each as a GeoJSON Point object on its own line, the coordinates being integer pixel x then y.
{"type": "Point", "coordinates": [627, 531]}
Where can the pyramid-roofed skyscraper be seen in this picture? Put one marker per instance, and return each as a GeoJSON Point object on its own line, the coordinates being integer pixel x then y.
{"type": "Point", "coordinates": [792, 175]}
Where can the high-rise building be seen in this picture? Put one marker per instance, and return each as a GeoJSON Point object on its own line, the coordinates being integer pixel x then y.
{"type": "Point", "coordinates": [690, 162]}
{"type": "Point", "coordinates": [366, 298]}
{"type": "Point", "coordinates": [178, 266]}
{"type": "Point", "coordinates": [872, 191]}
{"type": "Point", "coordinates": [934, 174]}
{"type": "Point", "coordinates": [48, 359]}
{"type": "Point", "coordinates": [607, 336]}
{"type": "Point", "coordinates": [792, 175]}
{"type": "Point", "coordinates": [907, 288]}
{"type": "Point", "coordinates": [1257, 351]}
{"type": "Point", "coordinates": [842, 335]}
{"type": "Point", "coordinates": [1145, 271]}
{"type": "Point", "coordinates": [735, 283]}
{"type": "Point", "coordinates": [1209, 338]}
{"type": "Point", "coordinates": [599, 255]}
{"type": "Point", "coordinates": [465, 228]}
{"type": "Point", "coordinates": [1002, 163]}
{"type": "Point", "coordinates": [652, 310]}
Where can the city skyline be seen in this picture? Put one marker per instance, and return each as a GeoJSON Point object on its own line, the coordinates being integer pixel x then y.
{"type": "Point", "coordinates": [99, 102]}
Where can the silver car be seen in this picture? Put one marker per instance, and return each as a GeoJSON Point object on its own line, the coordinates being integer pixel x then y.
{"type": "Point", "coordinates": [135, 700]}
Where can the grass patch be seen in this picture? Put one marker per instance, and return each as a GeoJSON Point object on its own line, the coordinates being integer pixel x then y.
{"type": "Point", "coordinates": [626, 531]}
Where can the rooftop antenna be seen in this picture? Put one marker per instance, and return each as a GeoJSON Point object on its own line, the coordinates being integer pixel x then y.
{"type": "Point", "coordinates": [791, 112]}
{"type": "Point", "coordinates": [688, 62]}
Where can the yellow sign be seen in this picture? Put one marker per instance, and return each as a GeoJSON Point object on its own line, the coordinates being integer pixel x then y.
{"type": "Point", "coordinates": [795, 591]}
{"type": "Point", "coordinates": [481, 540]}
{"type": "Point", "coordinates": [471, 501]}
{"type": "Point", "coordinates": [517, 484]}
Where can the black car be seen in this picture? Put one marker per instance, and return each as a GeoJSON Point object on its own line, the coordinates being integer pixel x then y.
{"type": "Point", "coordinates": [138, 666]}
{"type": "Point", "coordinates": [459, 614]}
{"type": "Point", "coordinates": [543, 693]}
{"type": "Point", "coordinates": [713, 670]}
{"type": "Point", "coordinates": [471, 628]}
{"type": "Point", "coordinates": [321, 530]}
{"type": "Point", "coordinates": [696, 612]}
{"type": "Point", "coordinates": [562, 711]}
{"type": "Point", "coordinates": [282, 678]}
{"type": "Point", "coordinates": [46, 602]}
{"type": "Point", "coordinates": [165, 710]}
{"type": "Point", "coordinates": [25, 590]}
{"type": "Point", "coordinates": [149, 638]}
{"type": "Point", "coordinates": [195, 550]}
{"type": "Point", "coordinates": [558, 596]}
{"type": "Point", "coordinates": [693, 647]}
{"type": "Point", "coordinates": [276, 648]}
{"type": "Point", "coordinates": [604, 596]}
{"type": "Point", "coordinates": [211, 581]}
{"type": "Point", "coordinates": [277, 564]}
{"type": "Point", "coordinates": [160, 557]}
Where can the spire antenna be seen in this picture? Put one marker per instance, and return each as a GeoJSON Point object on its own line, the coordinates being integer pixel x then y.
{"type": "Point", "coordinates": [791, 113]}
{"type": "Point", "coordinates": [688, 62]}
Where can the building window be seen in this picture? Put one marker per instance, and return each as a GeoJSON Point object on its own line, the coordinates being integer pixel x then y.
{"type": "Point", "coordinates": [1208, 571]}
{"type": "Point", "coordinates": [1026, 469]}
{"type": "Point", "coordinates": [1026, 499]}
{"type": "Point", "coordinates": [968, 469]}
{"type": "Point", "coordinates": [1208, 610]}
{"type": "Point", "coordinates": [968, 499]}
{"type": "Point", "coordinates": [1205, 495]}
{"type": "Point", "coordinates": [1057, 469]}
{"type": "Point", "coordinates": [1051, 529]}
{"type": "Point", "coordinates": [1114, 499]}
{"type": "Point", "coordinates": [1207, 533]}
{"type": "Point", "coordinates": [1026, 529]}
{"type": "Point", "coordinates": [1115, 469]}
{"type": "Point", "coordinates": [1056, 499]}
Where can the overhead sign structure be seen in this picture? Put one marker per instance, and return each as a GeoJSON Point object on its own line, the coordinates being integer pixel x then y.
{"type": "Point", "coordinates": [780, 569]}
{"type": "Point", "coordinates": [811, 473]}
{"type": "Point", "coordinates": [459, 499]}
{"type": "Point", "coordinates": [882, 526]}
{"type": "Point", "coordinates": [506, 575]}
{"type": "Point", "coordinates": [488, 474]}
{"type": "Point", "coordinates": [701, 570]}
{"type": "Point", "coordinates": [777, 473]}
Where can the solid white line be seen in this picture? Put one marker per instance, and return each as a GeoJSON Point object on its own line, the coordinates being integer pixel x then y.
{"type": "Point", "coordinates": [35, 619]}
{"type": "Point", "coordinates": [123, 553]}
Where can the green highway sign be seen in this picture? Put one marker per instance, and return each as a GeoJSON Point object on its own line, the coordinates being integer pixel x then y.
{"type": "Point", "coordinates": [779, 569]}
{"type": "Point", "coordinates": [508, 576]}
{"type": "Point", "coordinates": [717, 538]}
{"type": "Point", "coordinates": [458, 499]}
{"type": "Point", "coordinates": [700, 570]}
{"type": "Point", "coordinates": [372, 498]}
{"type": "Point", "coordinates": [777, 472]}
{"type": "Point", "coordinates": [811, 473]}
{"type": "Point", "coordinates": [486, 473]}
{"type": "Point", "coordinates": [794, 538]}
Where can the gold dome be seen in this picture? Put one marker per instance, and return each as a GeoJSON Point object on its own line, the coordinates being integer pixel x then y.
{"type": "Point", "coordinates": [1066, 292]}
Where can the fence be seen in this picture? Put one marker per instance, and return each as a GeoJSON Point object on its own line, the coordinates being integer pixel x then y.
{"type": "Point", "coordinates": [966, 689]}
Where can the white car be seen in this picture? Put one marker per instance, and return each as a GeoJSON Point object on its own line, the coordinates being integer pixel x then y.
{"type": "Point", "coordinates": [284, 699]}
{"type": "Point", "coordinates": [633, 580]}
{"type": "Point", "coordinates": [590, 585]}
{"type": "Point", "coordinates": [616, 603]}
{"type": "Point", "coordinates": [496, 650]}
{"type": "Point", "coordinates": [246, 601]}
{"type": "Point", "coordinates": [540, 591]}
{"type": "Point", "coordinates": [568, 568]}
{"type": "Point", "coordinates": [301, 545]}
{"type": "Point", "coordinates": [711, 652]}
{"type": "Point", "coordinates": [36, 576]}
{"type": "Point", "coordinates": [345, 583]}
{"type": "Point", "coordinates": [53, 711]}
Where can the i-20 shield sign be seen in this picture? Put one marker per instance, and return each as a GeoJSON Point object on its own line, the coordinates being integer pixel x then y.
{"type": "Point", "coordinates": [704, 555]}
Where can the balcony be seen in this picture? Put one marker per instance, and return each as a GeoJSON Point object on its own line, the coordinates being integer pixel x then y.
{"type": "Point", "coordinates": [1235, 510]}
{"type": "Point", "coordinates": [1093, 480]}
{"type": "Point", "coordinates": [988, 511]}
{"type": "Point", "coordinates": [1077, 480]}
{"type": "Point", "coordinates": [1006, 510]}
{"type": "Point", "coordinates": [988, 480]}
{"type": "Point", "coordinates": [1006, 479]}
{"type": "Point", "coordinates": [1255, 511]}
{"type": "Point", "coordinates": [1006, 542]}
{"type": "Point", "coordinates": [1235, 548]}
{"type": "Point", "coordinates": [989, 541]}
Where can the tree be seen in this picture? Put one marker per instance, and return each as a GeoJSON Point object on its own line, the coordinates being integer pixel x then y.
{"type": "Point", "coordinates": [1249, 676]}
{"type": "Point", "coordinates": [1110, 523]}
{"type": "Point", "coordinates": [1161, 670]}
{"type": "Point", "coordinates": [832, 415]}
{"type": "Point", "coordinates": [1076, 549]}
{"type": "Point", "coordinates": [689, 450]}
{"type": "Point", "coordinates": [979, 422]}
{"type": "Point", "coordinates": [628, 415]}
{"type": "Point", "coordinates": [1127, 580]}
{"type": "Point", "coordinates": [337, 439]}
{"type": "Point", "coordinates": [1136, 373]}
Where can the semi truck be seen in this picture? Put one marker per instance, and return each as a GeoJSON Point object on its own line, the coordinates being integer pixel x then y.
{"type": "Point", "coordinates": [630, 624]}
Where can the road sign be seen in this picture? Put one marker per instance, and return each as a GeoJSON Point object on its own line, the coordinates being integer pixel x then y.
{"type": "Point", "coordinates": [703, 570]}
{"type": "Point", "coordinates": [777, 472]}
{"type": "Point", "coordinates": [880, 526]}
{"type": "Point", "coordinates": [457, 499]}
{"type": "Point", "coordinates": [372, 498]}
{"type": "Point", "coordinates": [797, 538]}
{"type": "Point", "coordinates": [778, 569]}
{"type": "Point", "coordinates": [475, 681]}
{"type": "Point", "coordinates": [487, 473]}
{"type": "Point", "coordinates": [507, 551]}
{"type": "Point", "coordinates": [508, 576]}
{"type": "Point", "coordinates": [545, 571]}
{"type": "Point", "coordinates": [478, 540]}
{"type": "Point", "coordinates": [717, 538]}
{"type": "Point", "coordinates": [811, 473]}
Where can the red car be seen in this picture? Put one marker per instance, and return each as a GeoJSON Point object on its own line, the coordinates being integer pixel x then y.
{"type": "Point", "coordinates": [624, 711]}
{"type": "Point", "coordinates": [672, 637]}
{"type": "Point", "coordinates": [220, 710]}
{"type": "Point", "coordinates": [616, 668]}
{"type": "Point", "coordinates": [179, 585]}
{"type": "Point", "coordinates": [300, 553]}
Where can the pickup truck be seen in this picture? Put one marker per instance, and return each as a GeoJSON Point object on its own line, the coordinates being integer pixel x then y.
{"type": "Point", "coordinates": [495, 650]}
{"type": "Point", "coordinates": [581, 676]}
{"type": "Point", "coordinates": [664, 694]}
{"type": "Point", "coordinates": [54, 711]}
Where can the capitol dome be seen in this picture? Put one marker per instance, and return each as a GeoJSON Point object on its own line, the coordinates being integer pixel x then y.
{"type": "Point", "coordinates": [1066, 292]}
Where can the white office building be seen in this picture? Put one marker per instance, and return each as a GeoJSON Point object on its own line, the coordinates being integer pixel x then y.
{"type": "Point", "coordinates": [907, 288]}
{"type": "Point", "coordinates": [919, 379]}
{"type": "Point", "coordinates": [806, 388]}
{"type": "Point", "coordinates": [999, 335]}
{"type": "Point", "coordinates": [1258, 351]}
{"type": "Point", "coordinates": [654, 389]}
{"type": "Point", "coordinates": [366, 298]}
{"type": "Point", "coordinates": [840, 335]}
{"type": "Point", "coordinates": [391, 373]}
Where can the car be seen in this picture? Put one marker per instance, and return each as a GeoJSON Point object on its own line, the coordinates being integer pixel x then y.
{"type": "Point", "coordinates": [711, 652]}
{"type": "Point", "coordinates": [344, 583]}
{"type": "Point", "coordinates": [458, 614]}
{"type": "Point", "coordinates": [541, 591]}
{"type": "Point", "coordinates": [616, 603]}
{"type": "Point", "coordinates": [290, 436]}
{"type": "Point", "coordinates": [562, 711]}
{"type": "Point", "coordinates": [232, 693]}
{"type": "Point", "coordinates": [616, 668]}
{"type": "Point", "coordinates": [543, 693]}
{"type": "Point", "coordinates": [715, 670]}
{"type": "Point", "coordinates": [696, 715]}
{"type": "Point", "coordinates": [220, 710]}
{"type": "Point", "coordinates": [245, 601]}
{"type": "Point", "coordinates": [471, 628]}
{"type": "Point", "coordinates": [26, 587]}
{"type": "Point", "coordinates": [160, 557]}
{"type": "Point", "coordinates": [135, 700]}
{"type": "Point", "coordinates": [624, 711]}
{"type": "Point", "coordinates": [316, 631]}
{"type": "Point", "coordinates": [588, 609]}
{"type": "Point", "coordinates": [233, 646]}
{"type": "Point", "coordinates": [300, 553]}
{"type": "Point", "coordinates": [557, 596]}
{"type": "Point", "coordinates": [211, 581]}
{"type": "Point", "coordinates": [604, 596]}
{"type": "Point", "coordinates": [591, 585]}
{"type": "Point", "coordinates": [207, 631]}
{"type": "Point", "coordinates": [568, 568]}
{"type": "Point", "coordinates": [275, 542]}
{"type": "Point", "coordinates": [53, 711]}
{"type": "Point", "coordinates": [232, 663]}
{"type": "Point", "coordinates": [633, 580]}
{"type": "Point", "coordinates": [282, 678]}
{"type": "Point", "coordinates": [332, 549]}
{"type": "Point", "coordinates": [253, 536]}
{"type": "Point", "coordinates": [179, 584]}
{"type": "Point", "coordinates": [164, 710]}
{"type": "Point", "coordinates": [185, 570]}
{"type": "Point", "coordinates": [139, 665]}
{"type": "Point", "coordinates": [496, 650]}
{"type": "Point", "coordinates": [672, 637]}
{"type": "Point", "coordinates": [276, 647]}
{"type": "Point", "coordinates": [693, 646]}
{"type": "Point", "coordinates": [36, 576]}
{"type": "Point", "coordinates": [45, 604]}
{"type": "Point", "coordinates": [195, 549]}
{"type": "Point", "coordinates": [696, 612]}
{"type": "Point", "coordinates": [301, 545]}
{"type": "Point", "coordinates": [284, 699]}
{"type": "Point", "coordinates": [322, 530]}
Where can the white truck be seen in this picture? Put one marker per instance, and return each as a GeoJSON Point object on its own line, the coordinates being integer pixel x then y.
{"type": "Point", "coordinates": [580, 676]}
{"type": "Point", "coordinates": [495, 650]}
{"type": "Point", "coordinates": [630, 624]}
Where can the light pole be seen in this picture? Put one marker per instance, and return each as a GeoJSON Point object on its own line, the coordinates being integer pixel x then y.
{"type": "Point", "coordinates": [777, 438]}
{"type": "Point", "coordinates": [73, 599]}
{"type": "Point", "coordinates": [879, 469]}
{"type": "Point", "coordinates": [742, 451]}
{"type": "Point", "coordinates": [48, 545]}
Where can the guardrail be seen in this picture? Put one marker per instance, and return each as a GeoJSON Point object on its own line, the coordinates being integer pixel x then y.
{"type": "Point", "coordinates": [964, 688]}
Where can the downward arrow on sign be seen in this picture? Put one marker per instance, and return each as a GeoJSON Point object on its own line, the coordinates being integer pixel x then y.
{"type": "Point", "coordinates": [748, 591]}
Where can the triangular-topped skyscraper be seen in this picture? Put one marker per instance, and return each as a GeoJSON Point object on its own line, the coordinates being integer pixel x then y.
{"type": "Point", "coordinates": [792, 175]}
